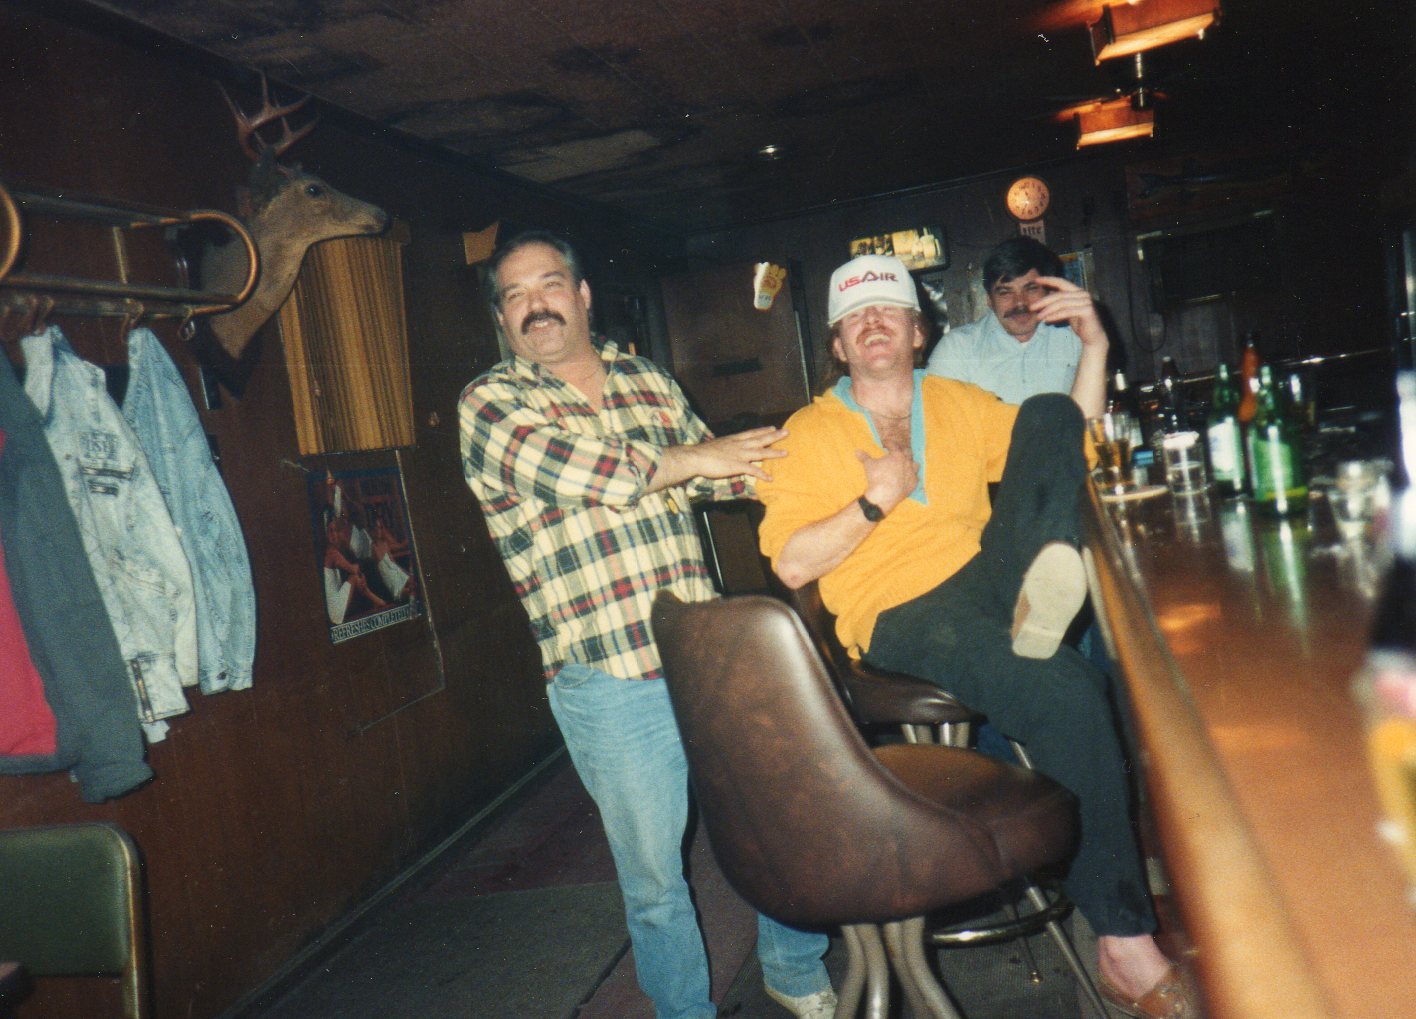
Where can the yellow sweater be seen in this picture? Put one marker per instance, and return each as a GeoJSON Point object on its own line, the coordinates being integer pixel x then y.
{"type": "Point", "coordinates": [918, 545]}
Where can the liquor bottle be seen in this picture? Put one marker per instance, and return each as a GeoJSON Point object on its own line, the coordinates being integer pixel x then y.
{"type": "Point", "coordinates": [1122, 399]}
{"type": "Point", "coordinates": [1280, 486]}
{"type": "Point", "coordinates": [1249, 364]}
{"type": "Point", "coordinates": [1175, 412]}
{"type": "Point", "coordinates": [1223, 435]}
{"type": "Point", "coordinates": [1171, 415]}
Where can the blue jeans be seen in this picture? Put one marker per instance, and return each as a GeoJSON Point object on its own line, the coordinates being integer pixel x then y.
{"type": "Point", "coordinates": [625, 745]}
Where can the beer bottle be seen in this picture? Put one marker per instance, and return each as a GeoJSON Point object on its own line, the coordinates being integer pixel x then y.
{"type": "Point", "coordinates": [1298, 401]}
{"type": "Point", "coordinates": [1223, 435]}
{"type": "Point", "coordinates": [1123, 399]}
{"type": "Point", "coordinates": [1249, 364]}
{"type": "Point", "coordinates": [1280, 485]}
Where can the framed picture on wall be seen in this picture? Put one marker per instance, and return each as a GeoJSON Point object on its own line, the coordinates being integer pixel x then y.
{"type": "Point", "coordinates": [922, 247]}
{"type": "Point", "coordinates": [363, 549]}
{"type": "Point", "coordinates": [1077, 266]}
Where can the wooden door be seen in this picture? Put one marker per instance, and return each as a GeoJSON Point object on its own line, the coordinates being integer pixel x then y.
{"type": "Point", "coordinates": [740, 367]}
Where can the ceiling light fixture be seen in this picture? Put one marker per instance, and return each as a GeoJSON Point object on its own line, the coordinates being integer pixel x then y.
{"type": "Point", "coordinates": [1114, 121]}
{"type": "Point", "coordinates": [1144, 24]}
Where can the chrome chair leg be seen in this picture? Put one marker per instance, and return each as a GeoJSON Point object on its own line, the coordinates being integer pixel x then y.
{"type": "Point", "coordinates": [848, 995]}
{"type": "Point", "coordinates": [1030, 960]}
{"type": "Point", "coordinates": [892, 933]}
{"type": "Point", "coordinates": [867, 957]}
{"type": "Point", "coordinates": [905, 939]}
{"type": "Point", "coordinates": [1064, 944]}
{"type": "Point", "coordinates": [877, 983]}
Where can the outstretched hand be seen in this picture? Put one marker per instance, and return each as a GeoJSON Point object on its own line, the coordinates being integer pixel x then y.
{"type": "Point", "coordinates": [731, 456]}
{"type": "Point", "coordinates": [739, 453]}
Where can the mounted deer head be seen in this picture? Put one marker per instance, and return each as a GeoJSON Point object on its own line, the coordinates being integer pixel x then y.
{"type": "Point", "coordinates": [286, 210]}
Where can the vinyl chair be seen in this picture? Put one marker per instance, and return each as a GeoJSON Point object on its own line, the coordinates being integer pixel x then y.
{"type": "Point", "coordinates": [877, 697]}
{"type": "Point", "coordinates": [922, 711]}
{"type": "Point", "coordinates": [814, 828]}
{"type": "Point", "coordinates": [926, 714]}
{"type": "Point", "coordinates": [72, 905]}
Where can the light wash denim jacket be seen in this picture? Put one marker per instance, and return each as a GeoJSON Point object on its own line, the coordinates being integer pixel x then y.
{"type": "Point", "coordinates": [127, 532]}
{"type": "Point", "coordinates": [159, 408]}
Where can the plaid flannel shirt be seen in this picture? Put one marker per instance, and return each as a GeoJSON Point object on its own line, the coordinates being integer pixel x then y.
{"type": "Point", "coordinates": [562, 489]}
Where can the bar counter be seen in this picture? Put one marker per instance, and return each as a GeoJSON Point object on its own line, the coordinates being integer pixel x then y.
{"type": "Point", "coordinates": [1237, 638]}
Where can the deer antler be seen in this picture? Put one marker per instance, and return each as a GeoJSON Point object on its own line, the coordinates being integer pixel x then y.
{"type": "Point", "coordinates": [248, 126]}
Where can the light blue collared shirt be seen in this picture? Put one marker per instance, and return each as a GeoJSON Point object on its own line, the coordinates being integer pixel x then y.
{"type": "Point", "coordinates": [988, 356]}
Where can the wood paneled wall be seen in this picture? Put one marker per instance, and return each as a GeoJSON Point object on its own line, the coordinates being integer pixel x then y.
{"type": "Point", "coordinates": [278, 809]}
{"type": "Point", "coordinates": [1328, 282]}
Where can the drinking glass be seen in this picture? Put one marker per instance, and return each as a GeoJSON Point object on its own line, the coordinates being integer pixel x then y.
{"type": "Point", "coordinates": [1184, 463]}
{"type": "Point", "coordinates": [1111, 435]}
{"type": "Point", "coordinates": [1353, 497]}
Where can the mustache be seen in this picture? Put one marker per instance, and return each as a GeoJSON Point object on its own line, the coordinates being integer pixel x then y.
{"type": "Point", "coordinates": [1019, 313]}
{"type": "Point", "coordinates": [540, 316]}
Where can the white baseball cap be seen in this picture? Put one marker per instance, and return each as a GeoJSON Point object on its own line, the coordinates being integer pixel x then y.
{"type": "Point", "coordinates": [867, 280]}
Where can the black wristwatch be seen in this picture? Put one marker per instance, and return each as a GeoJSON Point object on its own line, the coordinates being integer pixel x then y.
{"type": "Point", "coordinates": [872, 512]}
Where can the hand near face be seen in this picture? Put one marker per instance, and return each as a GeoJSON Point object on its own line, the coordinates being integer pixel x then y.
{"type": "Point", "coordinates": [889, 479]}
{"type": "Point", "coordinates": [1069, 303]}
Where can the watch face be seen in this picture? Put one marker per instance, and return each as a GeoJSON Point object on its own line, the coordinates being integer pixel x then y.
{"type": "Point", "coordinates": [1028, 198]}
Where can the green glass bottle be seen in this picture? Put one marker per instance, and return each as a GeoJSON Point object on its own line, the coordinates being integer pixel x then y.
{"type": "Point", "coordinates": [1224, 436]}
{"type": "Point", "coordinates": [1280, 486]}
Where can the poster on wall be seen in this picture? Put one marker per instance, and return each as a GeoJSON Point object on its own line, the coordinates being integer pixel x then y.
{"type": "Point", "coordinates": [364, 549]}
{"type": "Point", "coordinates": [1077, 266]}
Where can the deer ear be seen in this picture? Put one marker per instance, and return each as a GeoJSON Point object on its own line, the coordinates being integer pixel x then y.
{"type": "Point", "coordinates": [263, 170]}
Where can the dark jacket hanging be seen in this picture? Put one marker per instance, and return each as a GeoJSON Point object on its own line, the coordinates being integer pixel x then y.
{"type": "Point", "coordinates": [70, 637]}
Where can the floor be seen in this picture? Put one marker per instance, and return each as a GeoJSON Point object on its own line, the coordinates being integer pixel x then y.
{"type": "Point", "coordinates": [523, 920]}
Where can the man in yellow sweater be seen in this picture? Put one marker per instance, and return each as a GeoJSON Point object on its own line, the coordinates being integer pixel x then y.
{"type": "Point", "coordinates": [883, 498]}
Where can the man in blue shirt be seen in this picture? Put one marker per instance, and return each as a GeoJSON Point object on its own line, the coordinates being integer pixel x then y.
{"type": "Point", "coordinates": [1010, 351]}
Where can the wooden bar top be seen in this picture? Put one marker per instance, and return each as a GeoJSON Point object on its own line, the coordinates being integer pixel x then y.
{"type": "Point", "coordinates": [1237, 639]}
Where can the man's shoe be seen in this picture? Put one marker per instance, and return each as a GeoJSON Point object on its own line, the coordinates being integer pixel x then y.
{"type": "Point", "coordinates": [1054, 588]}
{"type": "Point", "coordinates": [1170, 998]}
{"type": "Point", "coordinates": [821, 1005]}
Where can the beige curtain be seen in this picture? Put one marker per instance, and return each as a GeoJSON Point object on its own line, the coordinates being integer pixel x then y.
{"type": "Point", "coordinates": [346, 347]}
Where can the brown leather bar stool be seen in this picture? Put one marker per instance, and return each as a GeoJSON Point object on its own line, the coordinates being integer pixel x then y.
{"type": "Point", "coordinates": [926, 714]}
{"type": "Point", "coordinates": [813, 827]}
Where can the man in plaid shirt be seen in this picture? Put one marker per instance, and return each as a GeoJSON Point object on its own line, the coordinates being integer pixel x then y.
{"type": "Point", "coordinates": [584, 461]}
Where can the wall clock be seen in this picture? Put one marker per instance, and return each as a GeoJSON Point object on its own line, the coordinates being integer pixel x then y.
{"type": "Point", "coordinates": [1028, 198]}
